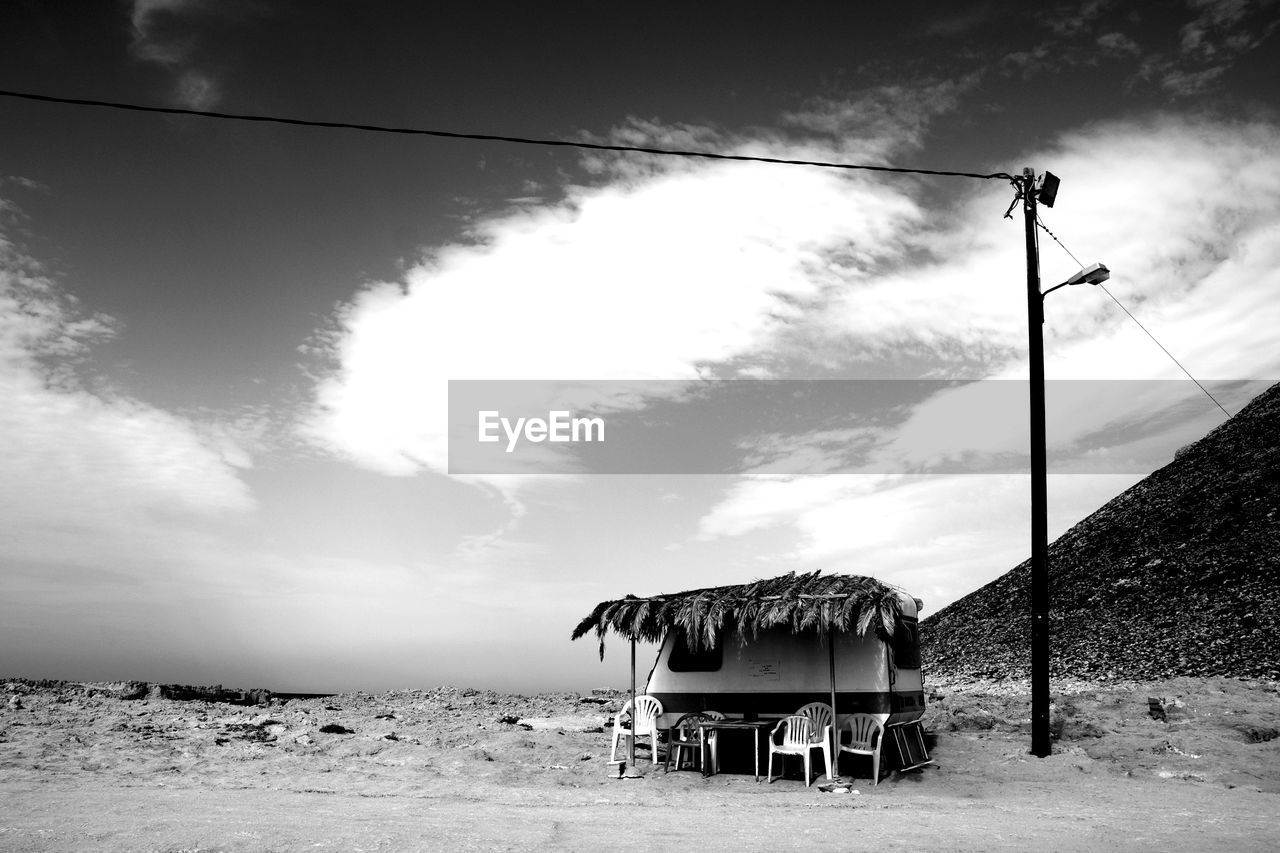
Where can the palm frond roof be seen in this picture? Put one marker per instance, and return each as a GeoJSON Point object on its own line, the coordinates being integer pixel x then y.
{"type": "Point", "coordinates": [805, 602]}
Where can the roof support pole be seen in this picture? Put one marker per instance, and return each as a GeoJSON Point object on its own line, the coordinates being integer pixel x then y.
{"type": "Point", "coordinates": [631, 741]}
{"type": "Point", "coordinates": [1040, 745]}
{"type": "Point", "coordinates": [835, 729]}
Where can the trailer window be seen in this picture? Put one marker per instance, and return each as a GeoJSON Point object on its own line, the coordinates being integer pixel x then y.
{"type": "Point", "coordinates": [684, 659]}
{"type": "Point", "coordinates": [906, 644]}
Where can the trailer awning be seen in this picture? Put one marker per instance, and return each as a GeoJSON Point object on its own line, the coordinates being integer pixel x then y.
{"type": "Point", "coordinates": [805, 602]}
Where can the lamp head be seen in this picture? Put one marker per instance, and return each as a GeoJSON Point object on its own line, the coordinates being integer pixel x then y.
{"type": "Point", "coordinates": [1092, 274]}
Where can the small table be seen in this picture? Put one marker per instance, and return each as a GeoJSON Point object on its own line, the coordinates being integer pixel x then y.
{"type": "Point", "coordinates": [754, 726]}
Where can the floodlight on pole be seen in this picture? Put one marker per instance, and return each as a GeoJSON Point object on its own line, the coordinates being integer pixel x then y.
{"type": "Point", "coordinates": [1048, 191]}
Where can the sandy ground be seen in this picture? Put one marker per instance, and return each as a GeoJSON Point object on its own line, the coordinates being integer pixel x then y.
{"type": "Point", "coordinates": [465, 770]}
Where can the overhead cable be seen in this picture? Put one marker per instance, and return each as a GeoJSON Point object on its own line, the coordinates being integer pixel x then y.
{"type": "Point", "coordinates": [488, 137]}
{"type": "Point", "coordinates": [1135, 320]}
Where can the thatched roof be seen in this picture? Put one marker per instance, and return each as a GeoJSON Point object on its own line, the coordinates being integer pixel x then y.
{"type": "Point", "coordinates": [807, 602]}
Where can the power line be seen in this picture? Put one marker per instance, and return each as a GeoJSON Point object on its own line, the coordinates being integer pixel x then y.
{"type": "Point", "coordinates": [1135, 320]}
{"type": "Point", "coordinates": [591, 146]}
{"type": "Point", "coordinates": [1166, 352]}
{"type": "Point", "coordinates": [487, 137]}
{"type": "Point", "coordinates": [1040, 222]}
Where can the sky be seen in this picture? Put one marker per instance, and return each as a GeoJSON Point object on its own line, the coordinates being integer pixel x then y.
{"type": "Point", "coordinates": [242, 364]}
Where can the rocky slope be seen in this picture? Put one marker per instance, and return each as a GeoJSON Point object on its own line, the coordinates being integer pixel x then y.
{"type": "Point", "coordinates": [1177, 576]}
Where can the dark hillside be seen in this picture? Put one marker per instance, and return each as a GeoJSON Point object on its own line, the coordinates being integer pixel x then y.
{"type": "Point", "coordinates": [1177, 576]}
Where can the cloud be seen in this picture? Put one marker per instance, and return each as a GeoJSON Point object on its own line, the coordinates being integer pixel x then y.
{"type": "Point", "coordinates": [724, 271]}
{"type": "Point", "coordinates": [128, 538]}
{"type": "Point", "coordinates": [939, 537]}
{"type": "Point", "coordinates": [692, 269]}
{"type": "Point", "coordinates": [173, 34]}
{"type": "Point", "coordinates": [1186, 213]}
{"type": "Point", "coordinates": [151, 42]}
{"type": "Point", "coordinates": [23, 182]}
{"type": "Point", "coordinates": [1213, 36]}
{"type": "Point", "coordinates": [1183, 212]}
{"type": "Point", "coordinates": [1218, 34]}
{"type": "Point", "coordinates": [1225, 28]}
{"type": "Point", "coordinates": [879, 123]}
{"type": "Point", "coordinates": [1030, 62]}
{"type": "Point", "coordinates": [1118, 44]}
{"type": "Point", "coordinates": [656, 269]}
{"type": "Point", "coordinates": [133, 547]}
{"type": "Point", "coordinates": [947, 23]}
{"type": "Point", "coordinates": [1074, 20]}
{"type": "Point", "coordinates": [86, 469]}
{"type": "Point", "coordinates": [653, 272]}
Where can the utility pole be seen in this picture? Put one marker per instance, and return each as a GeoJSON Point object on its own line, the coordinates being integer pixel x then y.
{"type": "Point", "coordinates": [1040, 745]}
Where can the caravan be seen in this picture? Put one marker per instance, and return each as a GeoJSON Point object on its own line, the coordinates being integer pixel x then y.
{"type": "Point", "coordinates": [760, 651]}
{"type": "Point", "coordinates": [774, 672]}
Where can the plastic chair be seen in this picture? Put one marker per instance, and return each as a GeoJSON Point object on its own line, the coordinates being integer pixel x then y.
{"type": "Point", "coordinates": [644, 723]}
{"type": "Point", "coordinates": [800, 737]}
{"type": "Point", "coordinates": [866, 735]}
{"type": "Point", "coordinates": [822, 717]}
{"type": "Point", "coordinates": [685, 735]}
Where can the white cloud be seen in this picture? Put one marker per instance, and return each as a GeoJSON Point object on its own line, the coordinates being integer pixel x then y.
{"type": "Point", "coordinates": [1185, 213]}
{"type": "Point", "coordinates": [882, 122]}
{"type": "Point", "coordinates": [657, 275]}
{"type": "Point", "coordinates": [938, 537]}
{"type": "Point", "coordinates": [1223, 29]}
{"type": "Point", "coordinates": [1075, 20]}
{"type": "Point", "coordinates": [84, 468]}
{"type": "Point", "coordinates": [129, 538]}
{"type": "Point", "coordinates": [1211, 36]}
{"type": "Point", "coordinates": [1217, 35]}
{"type": "Point", "coordinates": [1118, 44]}
{"type": "Point", "coordinates": [707, 269]}
{"type": "Point", "coordinates": [132, 547]}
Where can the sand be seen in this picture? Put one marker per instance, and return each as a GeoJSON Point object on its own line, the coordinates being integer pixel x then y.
{"type": "Point", "coordinates": [448, 769]}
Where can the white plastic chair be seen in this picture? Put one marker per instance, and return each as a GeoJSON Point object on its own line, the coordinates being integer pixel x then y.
{"type": "Point", "coordinates": [823, 718]}
{"type": "Point", "coordinates": [644, 723]}
{"type": "Point", "coordinates": [866, 736]}
{"type": "Point", "coordinates": [685, 735]}
{"type": "Point", "coordinates": [801, 736]}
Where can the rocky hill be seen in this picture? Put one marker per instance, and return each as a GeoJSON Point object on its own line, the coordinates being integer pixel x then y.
{"type": "Point", "coordinates": [1177, 576]}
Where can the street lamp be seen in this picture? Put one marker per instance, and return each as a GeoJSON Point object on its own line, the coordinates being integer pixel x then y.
{"type": "Point", "coordinates": [1040, 737]}
{"type": "Point", "coordinates": [1092, 274]}
{"type": "Point", "coordinates": [1046, 190]}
